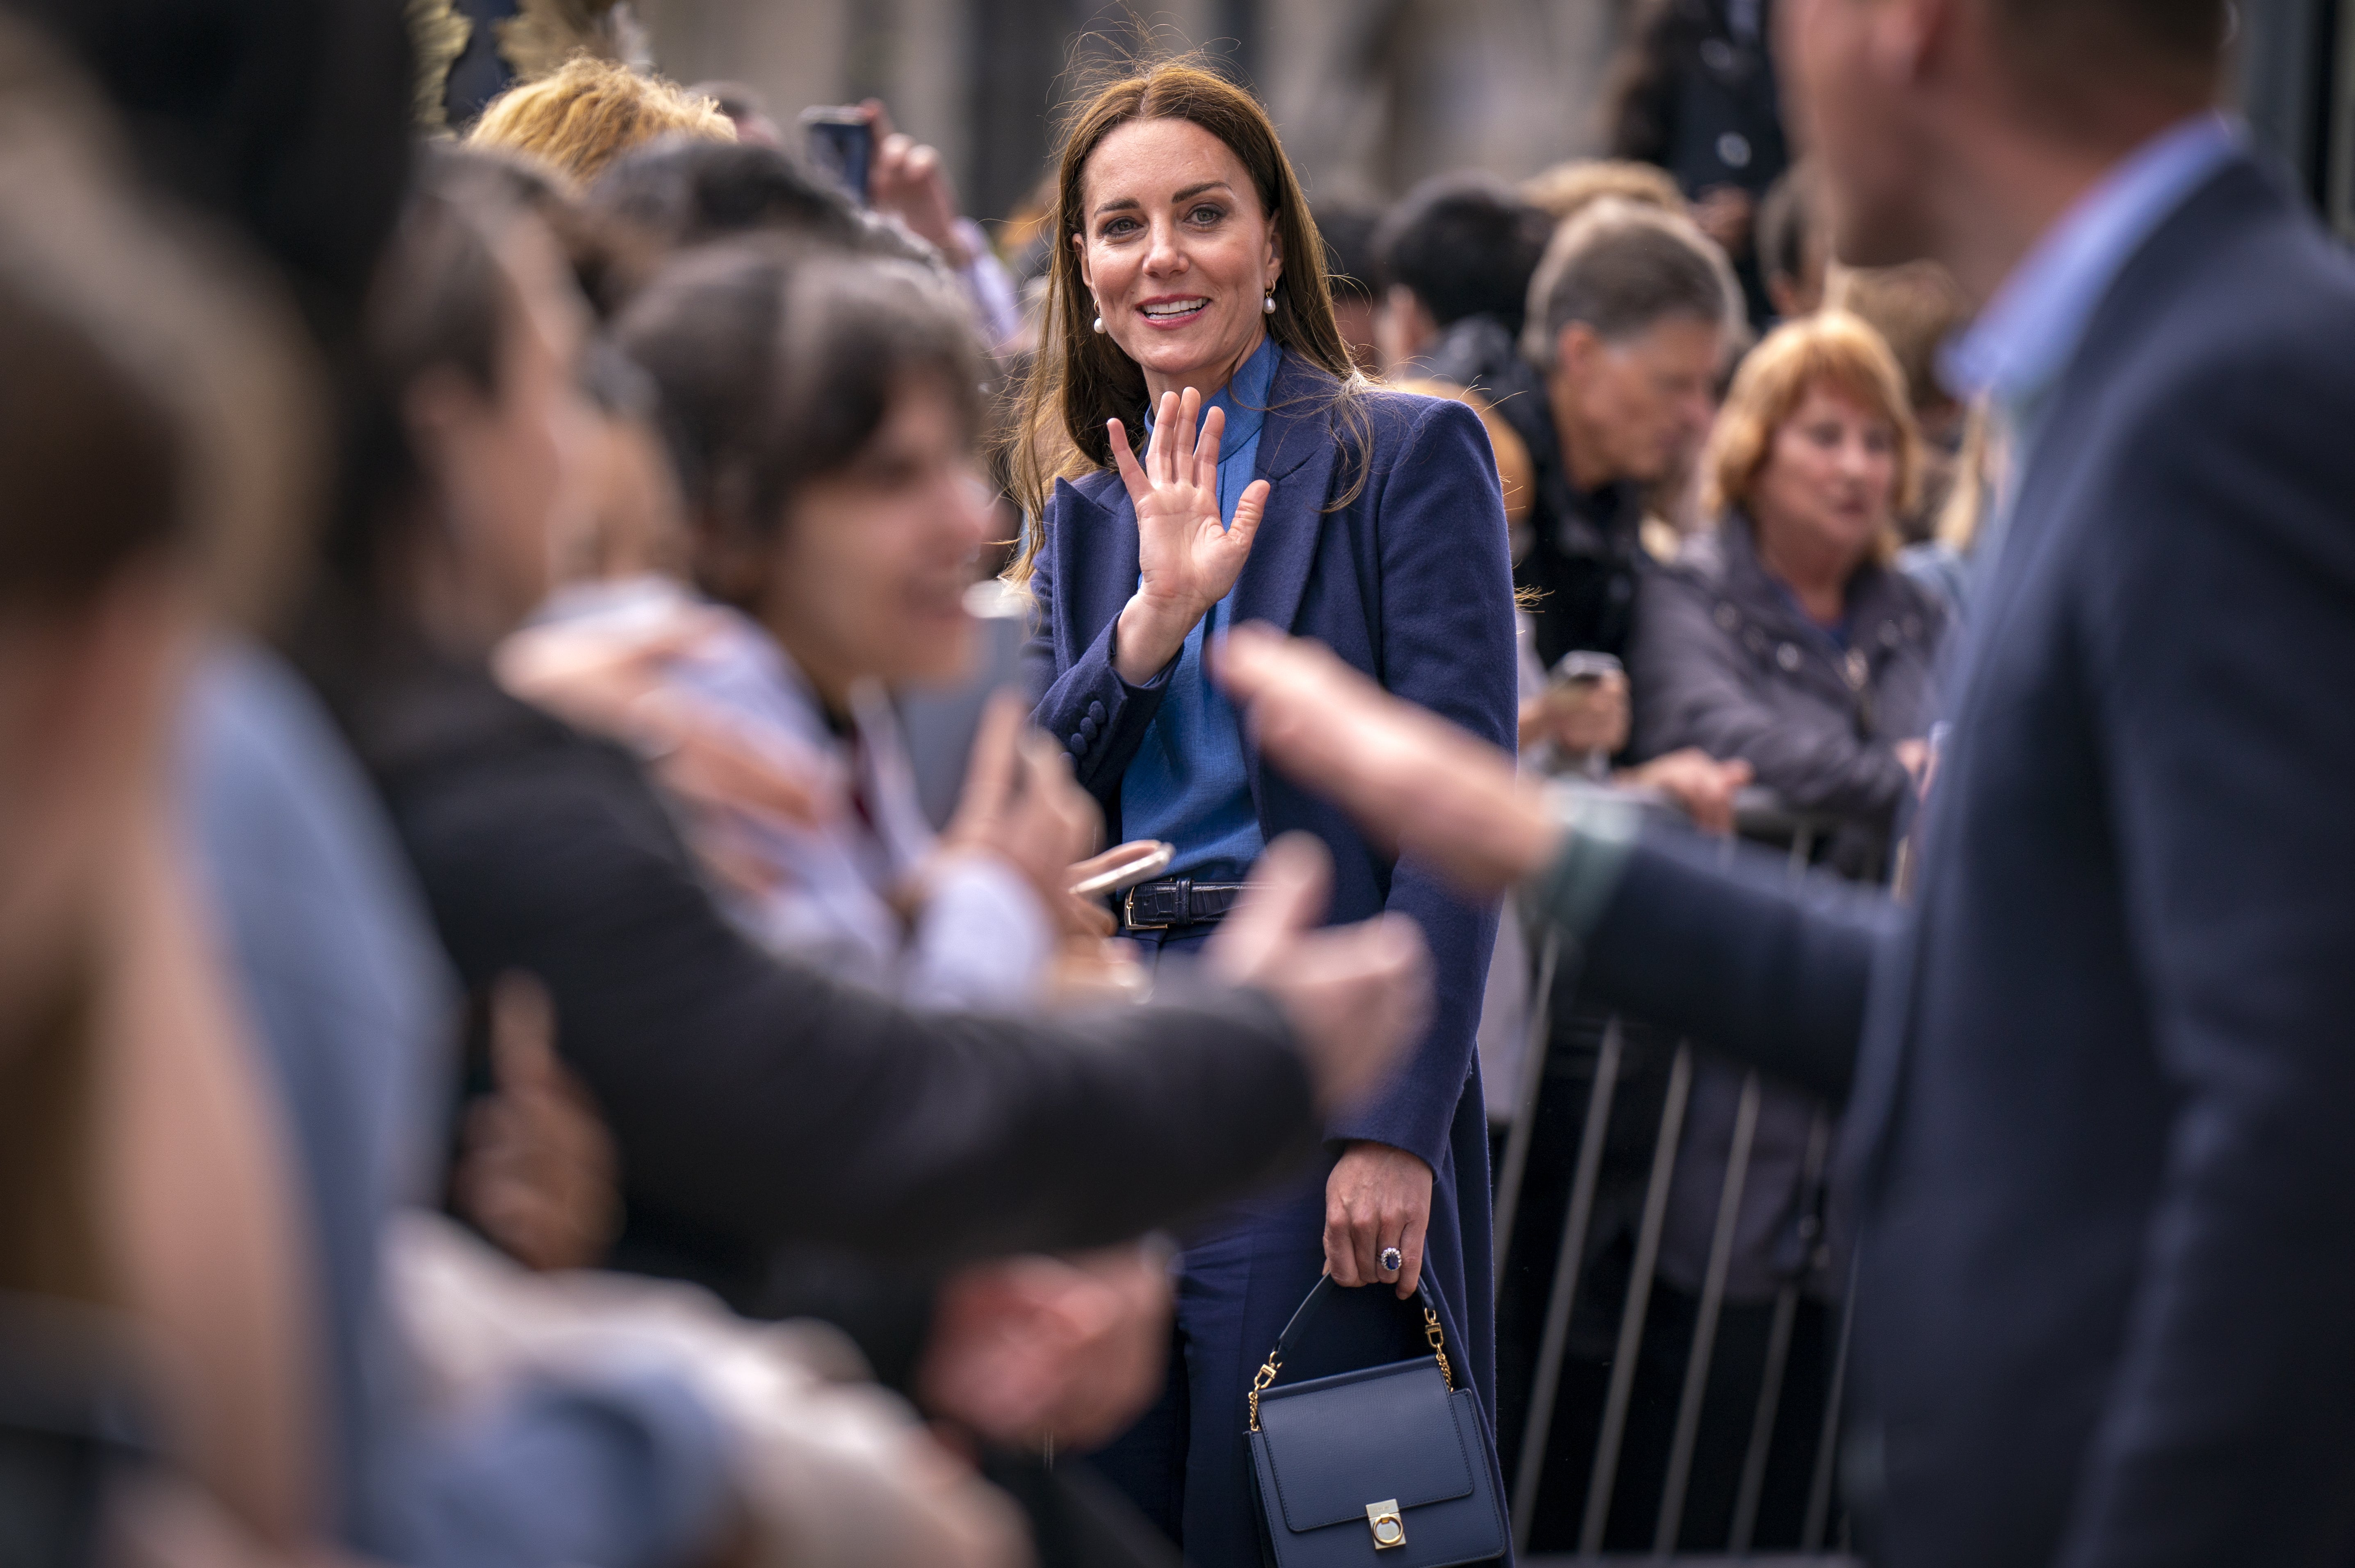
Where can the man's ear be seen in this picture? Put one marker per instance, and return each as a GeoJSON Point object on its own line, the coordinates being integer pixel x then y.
{"type": "Point", "coordinates": [1575, 348]}
{"type": "Point", "coordinates": [434, 409]}
{"type": "Point", "coordinates": [1913, 41]}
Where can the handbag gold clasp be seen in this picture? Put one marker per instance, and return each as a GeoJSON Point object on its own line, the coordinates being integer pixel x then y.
{"type": "Point", "coordinates": [1390, 1530]}
{"type": "Point", "coordinates": [1438, 1337]}
{"type": "Point", "coordinates": [1266, 1375]}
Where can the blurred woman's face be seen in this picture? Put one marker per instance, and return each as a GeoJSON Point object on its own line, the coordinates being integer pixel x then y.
{"type": "Point", "coordinates": [1829, 486]}
{"type": "Point", "coordinates": [511, 465]}
{"type": "Point", "coordinates": [867, 576]}
{"type": "Point", "coordinates": [1177, 252]}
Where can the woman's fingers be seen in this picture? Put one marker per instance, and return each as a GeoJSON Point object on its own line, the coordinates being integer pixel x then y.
{"type": "Point", "coordinates": [1249, 512]}
{"type": "Point", "coordinates": [1205, 473]}
{"type": "Point", "coordinates": [1132, 472]}
{"type": "Point", "coordinates": [1160, 447]}
{"type": "Point", "coordinates": [1411, 1272]}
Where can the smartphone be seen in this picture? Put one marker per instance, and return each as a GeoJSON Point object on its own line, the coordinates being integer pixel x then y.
{"type": "Point", "coordinates": [1141, 861]}
{"type": "Point", "coordinates": [842, 145]}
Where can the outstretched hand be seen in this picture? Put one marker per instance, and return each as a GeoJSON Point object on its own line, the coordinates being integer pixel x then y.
{"type": "Point", "coordinates": [1187, 556]}
{"type": "Point", "coordinates": [1413, 781]}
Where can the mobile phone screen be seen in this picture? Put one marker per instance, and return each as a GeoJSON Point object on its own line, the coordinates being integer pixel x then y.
{"type": "Point", "coordinates": [842, 146]}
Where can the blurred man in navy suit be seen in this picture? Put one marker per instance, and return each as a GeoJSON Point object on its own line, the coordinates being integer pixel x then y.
{"type": "Point", "coordinates": [2098, 1142]}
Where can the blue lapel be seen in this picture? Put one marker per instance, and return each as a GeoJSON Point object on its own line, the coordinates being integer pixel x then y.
{"type": "Point", "coordinates": [1296, 452]}
{"type": "Point", "coordinates": [1095, 555]}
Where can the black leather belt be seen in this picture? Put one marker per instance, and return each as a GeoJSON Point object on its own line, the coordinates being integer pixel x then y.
{"type": "Point", "coordinates": [1176, 902]}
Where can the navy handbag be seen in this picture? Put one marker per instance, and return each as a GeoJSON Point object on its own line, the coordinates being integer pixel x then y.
{"type": "Point", "coordinates": [1386, 1467]}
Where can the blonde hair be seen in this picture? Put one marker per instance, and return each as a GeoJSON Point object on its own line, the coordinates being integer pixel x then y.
{"type": "Point", "coordinates": [1568, 189]}
{"type": "Point", "coordinates": [1915, 308]}
{"type": "Point", "coordinates": [1830, 347]}
{"type": "Point", "coordinates": [1516, 473]}
{"type": "Point", "coordinates": [587, 113]}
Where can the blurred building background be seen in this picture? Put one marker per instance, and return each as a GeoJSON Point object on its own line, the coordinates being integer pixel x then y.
{"type": "Point", "coordinates": [1371, 95]}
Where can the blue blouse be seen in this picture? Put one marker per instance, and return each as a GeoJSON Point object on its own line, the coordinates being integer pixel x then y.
{"type": "Point", "coordinates": [1188, 784]}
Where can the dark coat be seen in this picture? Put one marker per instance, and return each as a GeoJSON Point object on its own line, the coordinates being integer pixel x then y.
{"type": "Point", "coordinates": [1408, 581]}
{"type": "Point", "coordinates": [1583, 557]}
{"type": "Point", "coordinates": [755, 1101]}
{"type": "Point", "coordinates": [1723, 660]}
{"type": "Point", "coordinates": [2098, 1142]}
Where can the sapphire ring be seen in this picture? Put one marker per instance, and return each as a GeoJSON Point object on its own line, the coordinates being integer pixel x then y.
{"type": "Point", "coordinates": [1392, 1260]}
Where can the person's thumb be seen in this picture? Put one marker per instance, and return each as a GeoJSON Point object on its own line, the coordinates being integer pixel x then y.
{"type": "Point", "coordinates": [1285, 896]}
{"type": "Point", "coordinates": [990, 770]}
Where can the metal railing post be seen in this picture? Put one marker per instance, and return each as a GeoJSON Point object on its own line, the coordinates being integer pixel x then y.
{"type": "Point", "coordinates": [1569, 1262]}
{"type": "Point", "coordinates": [1638, 1305]}
{"type": "Point", "coordinates": [1712, 1300]}
{"type": "Point", "coordinates": [1525, 1109]}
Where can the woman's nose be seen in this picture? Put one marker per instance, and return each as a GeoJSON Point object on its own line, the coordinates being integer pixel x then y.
{"type": "Point", "coordinates": [1163, 255]}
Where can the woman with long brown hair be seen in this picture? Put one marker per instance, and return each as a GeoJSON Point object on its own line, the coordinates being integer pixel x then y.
{"type": "Point", "coordinates": [1188, 305]}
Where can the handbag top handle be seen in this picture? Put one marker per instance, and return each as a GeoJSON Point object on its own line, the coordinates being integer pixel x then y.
{"type": "Point", "coordinates": [1316, 1297]}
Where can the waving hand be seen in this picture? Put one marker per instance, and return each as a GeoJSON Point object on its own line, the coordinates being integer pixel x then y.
{"type": "Point", "coordinates": [1188, 559]}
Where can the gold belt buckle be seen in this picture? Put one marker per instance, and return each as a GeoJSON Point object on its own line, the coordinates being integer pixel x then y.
{"type": "Point", "coordinates": [1128, 914]}
{"type": "Point", "coordinates": [1390, 1530]}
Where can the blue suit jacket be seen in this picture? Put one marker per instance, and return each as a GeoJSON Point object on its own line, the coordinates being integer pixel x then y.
{"type": "Point", "coordinates": [1410, 582]}
{"type": "Point", "coordinates": [2103, 1132]}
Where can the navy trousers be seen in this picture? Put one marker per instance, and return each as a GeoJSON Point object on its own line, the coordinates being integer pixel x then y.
{"type": "Point", "coordinates": [1187, 1463]}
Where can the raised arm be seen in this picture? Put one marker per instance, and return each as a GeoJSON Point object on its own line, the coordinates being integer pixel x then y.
{"type": "Point", "coordinates": [1785, 968]}
{"type": "Point", "coordinates": [761, 1101]}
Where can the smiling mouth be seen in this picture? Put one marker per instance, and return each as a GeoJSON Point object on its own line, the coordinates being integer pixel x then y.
{"type": "Point", "coordinates": [1174, 310]}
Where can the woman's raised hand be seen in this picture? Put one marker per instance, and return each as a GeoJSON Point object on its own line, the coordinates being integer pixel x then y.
{"type": "Point", "coordinates": [1188, 559]}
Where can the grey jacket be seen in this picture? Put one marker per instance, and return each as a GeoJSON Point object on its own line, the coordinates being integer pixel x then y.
{"type": "Point", "coordinates": [1724, 659]}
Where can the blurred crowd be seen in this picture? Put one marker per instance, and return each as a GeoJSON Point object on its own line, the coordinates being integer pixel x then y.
{"type": "Point", "coordinates": [549, 1011]}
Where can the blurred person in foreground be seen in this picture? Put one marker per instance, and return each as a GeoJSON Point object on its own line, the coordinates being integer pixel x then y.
{"type": "Point", "coordinates": [1630, 317]}
{"type": "Point", "coordinates": [840, 574]}
{"type": "Point", "coordinates": [753, 1100]}
{"type": "Point", "coordinates": [1189, 307]}
{"type": "Point", "coordinates": [2095, 1142]}
{"type": "Point", "coordinates": [1456, 257]}
{"type": "Point", "coordinates": [156, 443]}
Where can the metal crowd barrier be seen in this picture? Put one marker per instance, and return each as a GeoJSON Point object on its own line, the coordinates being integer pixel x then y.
{"type": "Point", "coordinates": [1759, 816]}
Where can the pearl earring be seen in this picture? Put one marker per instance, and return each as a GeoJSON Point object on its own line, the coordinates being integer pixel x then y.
{"type": "Point", "coordinates": [1267, 306]}
{"type": "Point", "coordinates": [1100, 323]}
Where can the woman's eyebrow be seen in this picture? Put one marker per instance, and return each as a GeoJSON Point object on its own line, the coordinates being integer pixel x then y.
{"type": "Point", "coordinates": [1130, 204]}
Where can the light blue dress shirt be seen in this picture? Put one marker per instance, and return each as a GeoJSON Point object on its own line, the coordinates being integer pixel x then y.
{"type": "Point", "coordinates": [1188, 784]}
{"type": "Point", "coordinates": [2016, 352]}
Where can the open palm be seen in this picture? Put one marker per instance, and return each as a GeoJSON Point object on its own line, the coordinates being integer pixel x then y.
{"type": "Point", "coordinates": [1187, 558]}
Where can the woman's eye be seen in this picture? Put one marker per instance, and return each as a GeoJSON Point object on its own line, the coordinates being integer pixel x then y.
{"type": "Point", "coordinates": [1118, 226]}
{"type": "Point", "coordinates": [1206, 214]}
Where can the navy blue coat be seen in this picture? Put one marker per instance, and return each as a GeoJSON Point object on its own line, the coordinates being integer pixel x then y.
{"type": "Point", "coordinates": [2103, 1131]}
{"type": "Point", "coordinates": [1411, 583]}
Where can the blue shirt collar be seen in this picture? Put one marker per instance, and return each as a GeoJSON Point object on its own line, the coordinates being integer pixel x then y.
{"type": "Point", "coordinates": [1244, 398]}
{"type": "Point", "coordinates": [2031, 330]}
